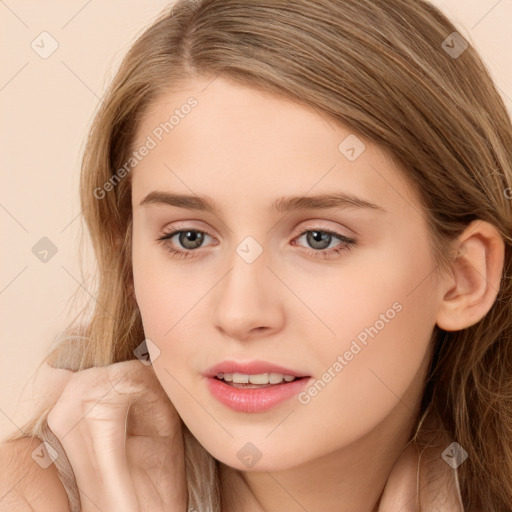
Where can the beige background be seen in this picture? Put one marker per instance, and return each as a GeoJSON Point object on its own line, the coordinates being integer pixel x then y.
{"type": "Point", "coordinates": [47, 107]}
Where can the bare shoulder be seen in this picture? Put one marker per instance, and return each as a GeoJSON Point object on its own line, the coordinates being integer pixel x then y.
{"type": "Point", "coordinates": [28, 481]}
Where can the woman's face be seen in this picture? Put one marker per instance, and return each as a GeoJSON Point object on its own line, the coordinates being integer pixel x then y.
{"type": "Point", "coordinates": [260, 277]}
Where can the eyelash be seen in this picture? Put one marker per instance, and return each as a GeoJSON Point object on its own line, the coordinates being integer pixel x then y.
{"type": "Point", "coordinates": [348, 243]}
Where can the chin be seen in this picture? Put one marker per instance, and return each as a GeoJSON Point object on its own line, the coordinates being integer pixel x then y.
{"type": "Point", "coordinates": [254, 457]}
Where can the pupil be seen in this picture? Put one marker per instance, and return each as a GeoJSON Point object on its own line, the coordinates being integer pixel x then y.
{"type": "Point", "coordinates": [318, 237]}
{"type": "Point", "coordinates": [191, 239]}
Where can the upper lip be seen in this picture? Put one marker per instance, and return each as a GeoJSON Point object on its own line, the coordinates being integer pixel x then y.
{"type": "Point", "coordinates": [251, 368]}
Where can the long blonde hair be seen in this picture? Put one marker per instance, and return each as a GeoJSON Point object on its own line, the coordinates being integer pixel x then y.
{"type": "Point", "coordinates": [383, 69]}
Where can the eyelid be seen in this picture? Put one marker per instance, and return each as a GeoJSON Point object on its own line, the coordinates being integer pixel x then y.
{"type": "Point", "coordinates": [317, 225]}
{"type": "Point", "coordinates": [308, 226]}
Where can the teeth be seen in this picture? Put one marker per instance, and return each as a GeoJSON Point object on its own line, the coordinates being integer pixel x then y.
{"type": "Point", "coordinates": [261, 378]}
{"type": "Point", "coordinates": [275, 378]}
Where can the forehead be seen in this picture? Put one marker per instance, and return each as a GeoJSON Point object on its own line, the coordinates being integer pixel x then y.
{"type": "Point", "coordinates": [216, 137]}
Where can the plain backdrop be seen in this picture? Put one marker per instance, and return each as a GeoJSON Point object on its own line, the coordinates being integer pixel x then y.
{"type": "Point", "coordinates": [47, 104]}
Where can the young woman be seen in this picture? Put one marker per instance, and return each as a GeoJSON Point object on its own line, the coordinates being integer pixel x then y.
{"type": "Point", "coordinates": [302, 219]}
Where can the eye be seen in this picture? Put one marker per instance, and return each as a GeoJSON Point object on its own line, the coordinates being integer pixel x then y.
{"type": "Point", "coordinates": [190, 239]}
{"type": "Point", "coordinates": [319, 239]}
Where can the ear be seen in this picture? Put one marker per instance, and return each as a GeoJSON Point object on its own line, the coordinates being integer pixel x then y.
{"type": "Point", "coordinates": [471, 288]}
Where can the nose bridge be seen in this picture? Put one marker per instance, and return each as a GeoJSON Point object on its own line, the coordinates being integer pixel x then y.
{"type": "Point", "coordinates": [248, 274]}
{"type": "Point", "coordinates": [246, 298]}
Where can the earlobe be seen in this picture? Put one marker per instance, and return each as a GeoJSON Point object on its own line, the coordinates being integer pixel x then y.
{"type": "Point", "coordinates": [473, 284]}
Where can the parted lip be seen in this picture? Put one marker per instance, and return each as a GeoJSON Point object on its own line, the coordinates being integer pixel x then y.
{"type": "Point", "coordinates": [251, 368]}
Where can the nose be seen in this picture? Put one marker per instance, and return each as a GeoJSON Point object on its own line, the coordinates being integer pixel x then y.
{"type": "Point", "coordinates": [249, 300]}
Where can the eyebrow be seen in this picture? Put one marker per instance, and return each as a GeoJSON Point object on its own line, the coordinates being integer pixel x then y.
{"type": "Point", "coordinates": [281, 205]}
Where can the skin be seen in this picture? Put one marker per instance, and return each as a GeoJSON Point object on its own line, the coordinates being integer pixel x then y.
{"type": "Point", "coordinates": [244, 149]}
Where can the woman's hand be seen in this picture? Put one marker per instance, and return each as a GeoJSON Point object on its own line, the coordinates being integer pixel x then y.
{"type": "Point", "coordinates": [123, 438]}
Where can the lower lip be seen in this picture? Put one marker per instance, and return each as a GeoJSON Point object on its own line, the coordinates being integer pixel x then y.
{"type": "Point", "coordinates": [254, 399]}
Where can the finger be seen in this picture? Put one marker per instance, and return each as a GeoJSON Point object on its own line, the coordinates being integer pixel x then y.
{"type": "Point", "coordinates": [89, 420]}
{"type": "Point", "coordinates": [152, 413]}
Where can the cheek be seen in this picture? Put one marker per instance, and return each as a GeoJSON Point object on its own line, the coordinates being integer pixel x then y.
{"type": "Point", "coordinates": [173, 311]}
{"type": "Point", "coordinates": [381, 293]}
{"type": "Point", "coordinates": [366, 376]}
{"type": "Point", "coordinates": [163, 289]}
{"type": "Point", "coordinates": [382, 313]}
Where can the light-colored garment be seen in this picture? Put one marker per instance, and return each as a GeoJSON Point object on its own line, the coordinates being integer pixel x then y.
{"type": "Point", "coordinates": [426, 482]}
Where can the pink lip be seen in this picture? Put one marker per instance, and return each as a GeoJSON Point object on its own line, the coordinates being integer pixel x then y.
{"type": "Point", "coordinates": [255, 399]}
{"type": "Point", "coordinates": [251, 368]}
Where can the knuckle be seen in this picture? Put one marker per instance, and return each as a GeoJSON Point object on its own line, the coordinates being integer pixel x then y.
{"type": "Point", "coordinates": [58, 422]}
{"type": "Point", "coordinates": [126, 377]}
{"type": "Point", "coordinates": [97, 393]}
